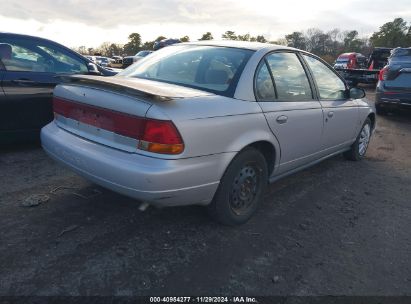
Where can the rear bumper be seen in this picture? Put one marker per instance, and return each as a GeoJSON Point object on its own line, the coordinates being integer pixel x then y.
{"type": "Point", "coordinates": [161, 182]}
{"type": "Point", "coordinates": [393, 101]}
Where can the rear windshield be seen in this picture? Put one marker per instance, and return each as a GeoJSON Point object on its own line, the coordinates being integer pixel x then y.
{"type": "Point", "coordinates": [381, 54]}
{"type": "Point", "coordinates": [208, 68]}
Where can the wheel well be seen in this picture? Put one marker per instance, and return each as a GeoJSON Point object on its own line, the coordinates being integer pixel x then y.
{"type": "Point", "coordinates": [268, 151]}
{"type": "Point", "coordinates": [372, 118]}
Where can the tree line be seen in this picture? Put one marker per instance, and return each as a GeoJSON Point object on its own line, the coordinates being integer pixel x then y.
{"type": "Point", "coordinates": [326, 44]}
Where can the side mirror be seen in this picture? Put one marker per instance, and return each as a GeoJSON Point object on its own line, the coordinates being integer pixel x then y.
{"type": "Point", "coordinates": [93, 69]}
{"type": "Point", "coordinates": [357, 93]}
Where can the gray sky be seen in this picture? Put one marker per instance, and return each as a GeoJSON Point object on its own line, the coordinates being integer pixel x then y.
{"type": "Point", "coordinates": [91, 22]}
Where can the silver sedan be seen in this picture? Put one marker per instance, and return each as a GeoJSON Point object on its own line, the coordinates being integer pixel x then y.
{"type": "Point", "coordinates": [207, 123]}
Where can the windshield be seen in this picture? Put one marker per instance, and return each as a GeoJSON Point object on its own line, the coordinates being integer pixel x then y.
{"type": "Point", "coordinates": [208, 68]}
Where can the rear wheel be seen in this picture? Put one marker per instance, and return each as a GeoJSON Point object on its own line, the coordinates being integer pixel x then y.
{"type": "Point", "coordinates": [240, 189]}
{"type": "Point", "coordinates": [359, 147]}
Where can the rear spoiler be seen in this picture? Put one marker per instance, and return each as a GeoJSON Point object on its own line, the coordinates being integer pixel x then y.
{"type": "Point", "coordinates": [140, 88]}
{"type": "Point", "coordinates": [109, 83]}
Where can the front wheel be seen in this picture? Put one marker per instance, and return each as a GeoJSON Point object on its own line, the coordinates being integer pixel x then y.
{"type": "Point", "coordinates": [359, 147]}
{"type": "Point", "coordinates": [240, 189]}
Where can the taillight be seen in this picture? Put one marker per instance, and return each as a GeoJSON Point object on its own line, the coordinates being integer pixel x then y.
{"type": "Point", "coordinates": [161, 136]}
{"type": "Point", "coordinates": [157, 136]}
{"type": "Point", "coordinates": [383, 74]}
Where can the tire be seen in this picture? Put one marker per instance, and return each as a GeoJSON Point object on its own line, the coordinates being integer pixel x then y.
{"type": "Point", "coordinates": [359, 147]}
{"type": "Point", "coordinates": [241, 188]}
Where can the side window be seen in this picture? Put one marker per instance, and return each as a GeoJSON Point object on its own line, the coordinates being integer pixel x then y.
{"type": "Point", "coordinates": [5, 53]}
{"type": "Point", "coordinates": [264, 88]}
{"type": "Point", "coordinates": [31, 57]}
{"type": "Point", "coordinates": [18, 58]}
{"type": "Point", "coordinates": [66, 62]}
{"type": "Point", "coordinates": [330, 86]}
{"type": "Point", "coordinates": [290, 80]}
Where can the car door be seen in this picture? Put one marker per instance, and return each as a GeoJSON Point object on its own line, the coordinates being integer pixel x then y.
{"type": "Point", "coordinates": [341, 113]}
{"type": "Point", "coordinates": [29, 78]}
{"type": "Point", "coordinates": [285, 95]}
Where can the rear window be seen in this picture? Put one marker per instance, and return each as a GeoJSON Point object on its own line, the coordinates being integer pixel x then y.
{"type": "Point", "coordinates": [381, 55]}
{"type": "Point", "coordinates": [401, 52]}
{"type": "Point", "coordinates": [208, 68]}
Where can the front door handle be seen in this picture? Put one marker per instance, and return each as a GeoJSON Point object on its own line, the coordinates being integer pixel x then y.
{"type": "Point", "coordinates": [282, 119]}
{"type": "Point", "coordinates": [23, 81]}
{"type": "Point", "coordinates": [330, 114]}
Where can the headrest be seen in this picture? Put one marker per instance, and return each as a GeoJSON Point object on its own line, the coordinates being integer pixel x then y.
{"type": "Point", "coordinates": [216, 77]}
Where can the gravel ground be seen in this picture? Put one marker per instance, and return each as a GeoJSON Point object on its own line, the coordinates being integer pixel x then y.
{"type": "Point", "coordinates": [339, 228]}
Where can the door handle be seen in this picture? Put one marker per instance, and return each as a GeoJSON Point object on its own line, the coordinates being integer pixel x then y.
{"type": "Point", "coordinates": [282, 119]}
{"type": "Point", "coordinates": [23, 81]}
{"type": "Point", "coordinates": [330, 114]}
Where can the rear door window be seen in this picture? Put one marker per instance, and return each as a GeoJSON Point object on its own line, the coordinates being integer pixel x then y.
{"type": "Point", "coordinates": [22, 59]}
{"type": "Point", "coordinates": [33, 56]}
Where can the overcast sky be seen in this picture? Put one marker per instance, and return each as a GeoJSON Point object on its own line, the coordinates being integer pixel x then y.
{"type": "Point", "coordinates": [91, 22]}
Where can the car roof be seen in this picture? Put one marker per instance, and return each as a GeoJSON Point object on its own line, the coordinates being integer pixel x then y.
{"type": "Point", "coordinates": [255, 46]}
{"type": "Point", "coordinates": [15, 35]}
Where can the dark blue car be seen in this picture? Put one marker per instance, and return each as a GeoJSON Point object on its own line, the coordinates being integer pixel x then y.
{"type": "Point", "coordinates": [29, 70]}
{"type": "Point", "coordinates": [165, 42]}
{"type": "Point", "coordinates": [394, 85]}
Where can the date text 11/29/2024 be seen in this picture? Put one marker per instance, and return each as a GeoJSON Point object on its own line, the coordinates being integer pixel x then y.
{"type": "Point", "coordinates": [203, 300]}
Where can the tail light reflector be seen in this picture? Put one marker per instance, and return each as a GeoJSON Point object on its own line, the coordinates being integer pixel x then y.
{"type": "Point", "coordinates": [383, 74]}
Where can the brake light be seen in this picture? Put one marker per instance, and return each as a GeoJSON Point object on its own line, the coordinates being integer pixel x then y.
{"type": "Point", "coordinates": [157, 136]}
{"type": "Point", "coordinates": [161, 136]}
{"type": "Point", "coordinates": [383, 74]}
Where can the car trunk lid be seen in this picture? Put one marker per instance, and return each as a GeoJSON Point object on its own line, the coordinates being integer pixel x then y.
{"type": "Point", "coordinates": [111, 110]}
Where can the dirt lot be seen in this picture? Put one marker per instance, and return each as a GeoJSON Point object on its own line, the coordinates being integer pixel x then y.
{"type": "Point", "coordinates": [338, 228]}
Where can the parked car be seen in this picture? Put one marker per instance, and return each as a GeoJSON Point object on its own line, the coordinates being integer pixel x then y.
{"type": "Point", "coordinates": [103, 61]}
{"type": "Point", "coordinates": [92, 58]}
{"type": "Point", "coordinates": [129, 60]}
{"type": "Point", "coordinates": [207, 123]}
{"type": "Point", "coordinates": [363, 72]}
{"type": "Point", "coordinates": [28, 69]}
{"type": "Point", "coordinates": [394, 85]}
{"type": "Point", "coordinates": [350, 61]}
{"type": "Point", "coordinates": [165, 42]}
{"type": "Point", "coordinates": [116, 62]}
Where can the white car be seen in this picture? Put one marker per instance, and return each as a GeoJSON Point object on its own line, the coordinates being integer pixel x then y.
{"type": "Point", "coordinates": [207, 123]}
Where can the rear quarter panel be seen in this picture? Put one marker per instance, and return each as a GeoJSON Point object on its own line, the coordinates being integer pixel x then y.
{"type": "Point", "coordinates": [215, 124]}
